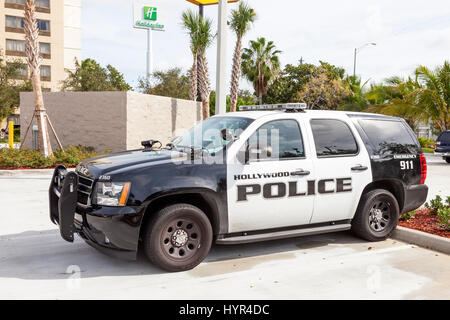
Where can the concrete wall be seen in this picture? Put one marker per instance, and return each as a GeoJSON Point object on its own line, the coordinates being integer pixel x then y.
{"type": "Point", "coordinates": [111, 120]}
{"type": "Point", "coordinates": [160, 118]}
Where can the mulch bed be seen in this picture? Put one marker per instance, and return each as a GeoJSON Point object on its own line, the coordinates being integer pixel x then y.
{"type": "Point", "coordinates": [423, 221]}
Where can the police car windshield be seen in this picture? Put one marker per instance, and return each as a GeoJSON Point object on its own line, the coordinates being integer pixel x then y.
{"type": "Point", "coordinates": [207, 135]}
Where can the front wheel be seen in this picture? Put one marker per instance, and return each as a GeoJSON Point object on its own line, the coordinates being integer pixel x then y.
{"type": "Point", "coordinates": [447, 159]}
{"type": "Point", "coordinates": [178, 237]}
{"type": "Point", "coordinates": [377, 215]}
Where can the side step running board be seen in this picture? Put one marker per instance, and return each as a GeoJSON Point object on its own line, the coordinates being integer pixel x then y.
{"type": "Point", "coordinates": [282, 234]}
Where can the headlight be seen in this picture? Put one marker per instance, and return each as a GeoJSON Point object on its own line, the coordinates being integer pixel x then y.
{"type": "Point", "coordinates": [113, 194]}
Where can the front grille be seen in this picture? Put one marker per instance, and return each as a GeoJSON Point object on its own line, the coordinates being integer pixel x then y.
{"type": "Point", "coordinates": [85, 185]}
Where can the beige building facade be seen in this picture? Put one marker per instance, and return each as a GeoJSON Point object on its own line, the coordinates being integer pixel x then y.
{"type": "Point", "coordinates": [59, 22]}
{"type": "Point", "coordinates": [115, 121]}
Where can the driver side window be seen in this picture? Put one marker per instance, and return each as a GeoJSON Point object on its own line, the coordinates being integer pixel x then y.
{"type": "Point", "coordinates": [276, 140]}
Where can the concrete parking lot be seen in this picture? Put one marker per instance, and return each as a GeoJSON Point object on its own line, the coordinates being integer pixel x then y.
{"type": "Point", "coordinates": [35, 263]}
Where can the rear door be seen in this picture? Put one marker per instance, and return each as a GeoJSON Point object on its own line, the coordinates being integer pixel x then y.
{"type": "Point", "coordinates": [342, 168]}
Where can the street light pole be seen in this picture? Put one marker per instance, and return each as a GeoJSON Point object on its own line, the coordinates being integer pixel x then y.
{"type": "Point", "coordinates": [356, 52]}
{"type": "Point", "coordinates": [221, 95]}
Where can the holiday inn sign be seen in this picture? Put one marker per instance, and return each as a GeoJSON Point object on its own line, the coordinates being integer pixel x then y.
{"type": "Point", "coordinates": [147, 15]}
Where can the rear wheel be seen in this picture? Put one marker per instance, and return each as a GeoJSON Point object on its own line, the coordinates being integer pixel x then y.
{"type": "Point", "coordinates": [447, 159]}
{"type": "Point", "coordinates": [178, 237]}
{"type": "Point", "coordinates": [376, 216]}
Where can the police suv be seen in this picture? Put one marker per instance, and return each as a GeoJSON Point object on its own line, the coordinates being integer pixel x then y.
{"type": "Point", "coordinates": [268, 172]}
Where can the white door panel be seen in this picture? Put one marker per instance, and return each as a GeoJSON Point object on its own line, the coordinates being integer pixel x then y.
{"type": "Point", "coordinates": [340, 198]}
{"type": "Point", "coordinates": [264, 195]}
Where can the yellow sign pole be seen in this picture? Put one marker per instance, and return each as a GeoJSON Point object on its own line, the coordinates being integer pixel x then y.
{"type": "Point", "coordinates": [11, 134]}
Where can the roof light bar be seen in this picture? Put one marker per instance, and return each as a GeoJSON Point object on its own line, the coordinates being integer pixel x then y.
{"type": "Point", "coordinates": [281, 107]}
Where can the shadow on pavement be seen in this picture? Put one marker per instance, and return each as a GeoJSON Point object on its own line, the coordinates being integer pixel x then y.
{"type": "Point", "coordinates": [42, 255]}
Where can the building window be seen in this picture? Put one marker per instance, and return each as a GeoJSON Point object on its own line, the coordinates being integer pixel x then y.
{"type": "Point", "coordinates": [17, 24]}
{"type": "Point", "coordinates": [46, 73]}
{"type": "Point", "coordinates": [43, 25]}
{"type": "Point", "coordinates": [16, 1]}
{"type": "Point", "coordinates": [41, 5]}
{"type": "Point", "coordinates": [15, 45]}
{"type": "Point", "coordinates": [45, 50]}
{"type": "Point", "coordinates": [18, 48]}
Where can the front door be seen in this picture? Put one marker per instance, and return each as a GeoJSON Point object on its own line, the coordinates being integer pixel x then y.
{"type": "Point", "coordinates": [269, 188]}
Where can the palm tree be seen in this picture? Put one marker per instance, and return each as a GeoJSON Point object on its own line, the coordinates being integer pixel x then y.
{"type": "Point", "coordinates": [34, 63]}
{"type": "Point", "coordinates": [240, 23]}
{"type": "Point", "coordinates": [397, 97]}
{"type": "Point", "coordinates": [433, 94]}
{"type": "Point", "coordinates": [260, 65]}
{"type": "Point", "coordinates": [190, 23]}
{"type": "Point", "coordinates": [201, 37]}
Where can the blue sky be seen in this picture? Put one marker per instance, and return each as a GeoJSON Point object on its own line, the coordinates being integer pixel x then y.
{"type": "Point", "coordinates": [407, 33]}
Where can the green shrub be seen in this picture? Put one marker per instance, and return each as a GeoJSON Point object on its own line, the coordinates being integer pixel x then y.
{"type": "Point", "coordinates": [70, 157]}
{"type": "Point", "coordinates": [442, 210]}
{"type": "Point", "coordinates": [435, 204]}
{"type": "Point", "coordinates": [426, 143]}
{"type": "Point", "coordinates": [444, 216]}
{"type": "Point", "coordinates": [407, 216]}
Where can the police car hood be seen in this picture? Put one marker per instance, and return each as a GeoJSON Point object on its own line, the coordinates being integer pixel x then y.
{"type": "Point", "coordinates": [94, 167]}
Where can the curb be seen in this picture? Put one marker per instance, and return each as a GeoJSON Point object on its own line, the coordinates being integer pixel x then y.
{"type": "Point", "coordinates": [422, 239]}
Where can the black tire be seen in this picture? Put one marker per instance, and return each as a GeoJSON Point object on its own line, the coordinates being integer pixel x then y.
{"type": "Point", "coordinates": [447, 159]}
{"type": "Point", "coordinates": [377, 215]}
{"type": "Point", "coordinates": [178, 237]}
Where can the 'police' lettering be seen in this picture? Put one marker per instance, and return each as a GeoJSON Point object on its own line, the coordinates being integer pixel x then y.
{"type": "Point", "coordinates": [278, 189]}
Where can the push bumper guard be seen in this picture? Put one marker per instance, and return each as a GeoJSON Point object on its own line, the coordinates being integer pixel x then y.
{"type": "Point", "coordinates": [63, 197]}
{"type": "Point", "coordinates": [95, 229]}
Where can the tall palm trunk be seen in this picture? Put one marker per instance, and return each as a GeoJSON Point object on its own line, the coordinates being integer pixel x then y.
{"type": "Point", "coordinates": [194, 79]}
{"type": "Point", "coordinates": [34, 64]}
{"type": "Point", "coordinates": [204, 85]}
{"type": "Point", "coordinates": [236, 74]}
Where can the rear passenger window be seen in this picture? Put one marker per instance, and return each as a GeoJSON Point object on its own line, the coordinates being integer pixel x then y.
{"type": "Point", "coordinates": [389, 137]}
{"type": "Point", "coordinates": [333, 138]}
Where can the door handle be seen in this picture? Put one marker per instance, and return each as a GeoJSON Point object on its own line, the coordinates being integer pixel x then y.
{"type": "Point", "coordinates": [300, 173]}
{"type": "Point", "coordinates": [359, 168]}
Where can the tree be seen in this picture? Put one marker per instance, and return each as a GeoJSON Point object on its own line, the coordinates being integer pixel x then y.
{"type": "Point", "coordinates": [9, 88]}
{"type": "Point", "coordinates": [171, 83]}
{"type": "Point", "coordinates": [90, 76]}
{"type": "Point", "coordinates": [260, 65]}
{"type": "Point", "coordinates": [289, 82]}
{"type": "Point", "coordinates": [240, 23]}
{"type": "Point", "coordinates": [357, 100]}
{"type": "Point", "coordinates": [34, 64]}
{"type": "Point", "coordinates": [396, 97]}
{"type": "Point", "coordinates": [245, 98]}
{"type": "Point", "coordinates": [433, 94]}
{"type": "Point", "coordinates": [322, 91]}
{"type": "Point", "coordinates": [201, 38]}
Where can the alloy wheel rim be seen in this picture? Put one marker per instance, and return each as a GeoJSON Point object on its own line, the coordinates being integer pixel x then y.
{"type": "Point", "coordinates": [379, 215]}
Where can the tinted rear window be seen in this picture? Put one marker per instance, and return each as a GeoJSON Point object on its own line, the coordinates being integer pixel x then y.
{"type": "Point", "coordinates": [333, 138]}
{"type": "Point", "coordinates": [444, 137]}
{"type": "Point", "coordinates": [389, 136]}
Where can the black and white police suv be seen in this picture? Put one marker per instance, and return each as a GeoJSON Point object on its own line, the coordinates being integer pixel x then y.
{"type": "Point", "coordinates": [268, 172]}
